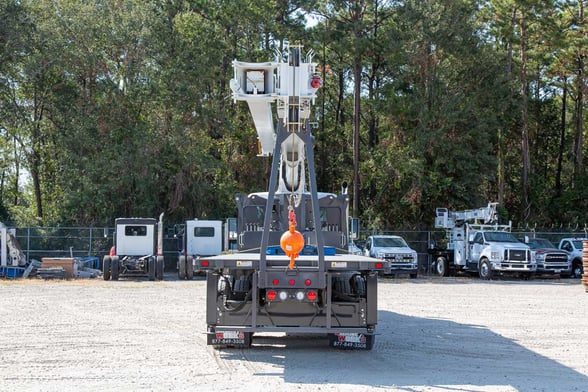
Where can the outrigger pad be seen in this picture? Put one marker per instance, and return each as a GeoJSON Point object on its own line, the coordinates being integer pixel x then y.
{"type": "Point", "coordinates": [352, 340]}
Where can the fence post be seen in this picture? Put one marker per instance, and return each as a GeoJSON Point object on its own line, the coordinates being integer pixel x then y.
{"type": "Point", "coordinates": [29, 243]}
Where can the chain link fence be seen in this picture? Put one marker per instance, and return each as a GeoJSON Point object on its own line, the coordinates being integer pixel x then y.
{"type": "Point", "coordinates": [95, 242]}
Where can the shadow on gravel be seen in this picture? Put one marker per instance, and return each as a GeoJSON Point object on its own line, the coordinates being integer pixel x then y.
{"type": "Point", "coordinates": [414, 353]}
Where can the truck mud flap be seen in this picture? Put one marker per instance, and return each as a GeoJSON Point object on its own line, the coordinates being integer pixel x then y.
{"type": "Point", "coordinates": [352, 341]}
{"type": "Point", "coordinates": [229, 339]}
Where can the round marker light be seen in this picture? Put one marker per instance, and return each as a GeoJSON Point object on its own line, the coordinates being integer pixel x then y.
{"type": "Point", "coordinates": [311, 295]}
{"type": "Point", "coordinates": [307, 282]}
{"type": "Point", "coordinates": [271, 295]}
{"type": "Point", "coordinates": [316, 81]}
{"type": "Point", "coordinates": [291, 282]}
{"type": "Point", "coordinates": [205, 263]}
{"type": "Point", "coordinates": [379, 265]}
{"type": "Point", "coordinates": [275, 282]}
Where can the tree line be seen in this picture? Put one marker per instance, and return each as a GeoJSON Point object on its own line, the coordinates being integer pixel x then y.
{"type": "Point", "coordinates": [121, 108]}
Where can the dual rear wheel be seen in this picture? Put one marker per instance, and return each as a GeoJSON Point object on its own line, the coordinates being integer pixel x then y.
{"type": "Point", "coordinates": [185, 268]}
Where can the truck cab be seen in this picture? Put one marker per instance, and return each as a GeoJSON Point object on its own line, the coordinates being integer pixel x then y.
{"type": "Point", "coordinates": [574, 246]}
{"type": "Point", "coordinates": [403, 259]}
{"type": "Point", "coordinates": [137, 252]}
{"type": "Point", "coordinates": [498, 251]}
{"type": "Point", "coordinates": [201, 238]}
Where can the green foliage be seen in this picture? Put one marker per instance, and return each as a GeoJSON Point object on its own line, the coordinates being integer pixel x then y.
{"type": "Point", "coordinates": [122, 108]}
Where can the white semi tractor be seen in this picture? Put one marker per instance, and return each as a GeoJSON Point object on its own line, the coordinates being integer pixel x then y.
{"type": "Point", "coordinates": [200, 238]}
{"type": "Point", "coordinates": [137, 250]}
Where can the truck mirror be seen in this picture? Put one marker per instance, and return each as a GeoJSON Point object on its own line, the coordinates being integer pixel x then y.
{"type": "Point", "coordinates": [354, 228]}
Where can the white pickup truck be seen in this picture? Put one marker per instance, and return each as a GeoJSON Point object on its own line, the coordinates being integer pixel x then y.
{"type": "Point", "coordinates": [574, 246]}
{"type": "Point", "coordinates": [403, 259]}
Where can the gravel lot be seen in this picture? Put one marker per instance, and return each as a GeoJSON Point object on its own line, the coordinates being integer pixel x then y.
{"type": "Point", "coordinates": [452, 334]}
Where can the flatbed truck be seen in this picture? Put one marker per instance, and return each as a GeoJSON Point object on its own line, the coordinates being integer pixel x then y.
{"type": "Point", "coordinates": [268, 285]}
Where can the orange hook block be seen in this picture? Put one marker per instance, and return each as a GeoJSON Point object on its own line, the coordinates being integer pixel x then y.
{"type": "Point", "coordinates": [292, 240]}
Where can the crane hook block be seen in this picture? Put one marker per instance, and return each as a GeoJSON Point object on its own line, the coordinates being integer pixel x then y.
{"type": "Point", "coordinates": [292, 241]}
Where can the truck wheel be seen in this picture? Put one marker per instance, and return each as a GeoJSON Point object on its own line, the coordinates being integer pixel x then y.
{"type": "Point", "coordinates": [358, 285]}
{"type": "Point", "coordinates": [577, 269]}
{"type": "Point", "coordinates": [114, 268]}
{"type": "Point", "coordinates": [160, 267]}
{"type": "Point", "coordinates": [371, 339]}
{"type": "Point", "coordinates": [106, 267]}
{"type": "Point", "coordinates": [182, 267]}
{"type": "Point", "coordinates": [342, 286]}
{"type": "Point", "coordinates": [485, 269]}
{"type": "Point", "coordinates": [441, 266]}
{"type": "Point", "coordinates": [151, 268]}
{"type": "Point", "coordinates": [189, 268]}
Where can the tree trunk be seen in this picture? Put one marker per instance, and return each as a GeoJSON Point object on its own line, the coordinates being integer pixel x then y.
{"type": "Point", "coordinates": [356, 123]}
{"type": "Point", "coordinates": [526, 203]}
{"type": "Point", "coordinates": [562, 135]}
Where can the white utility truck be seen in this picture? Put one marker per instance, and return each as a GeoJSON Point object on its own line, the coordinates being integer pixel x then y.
{"type": "Point", "coordinates": [476, 243]}
{"type": "Point", "coordinates": [292, 272]}
{"type": "Point", "coordinates": [137, 250]}
{"type": "Point", "coordinates": [201, 238]}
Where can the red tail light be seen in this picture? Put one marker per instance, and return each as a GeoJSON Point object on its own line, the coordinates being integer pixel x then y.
{"type": "Point", "coordinates": [379, 265]}
{"type": "Point", "coordinates": [275, 282]}
{"type": "Point", "coordinates": [307, 282]}
{"type": "Point", "coordinates": [204, 263]}
{"type": "Point", "coordinates": [291, 282]}
{"type": "Point", "coordinates": [311, 295]}
{"type": "Point", "coordinates": [271, 295]}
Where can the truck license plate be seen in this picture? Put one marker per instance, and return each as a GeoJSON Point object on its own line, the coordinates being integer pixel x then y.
{"type": "Point", "coordinates": [349, 340]}
{"type": "Point", "coordinates": [228, 337]}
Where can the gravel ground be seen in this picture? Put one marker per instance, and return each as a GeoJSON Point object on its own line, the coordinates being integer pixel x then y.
{"type": "Point", "coordinates": [452, 334]}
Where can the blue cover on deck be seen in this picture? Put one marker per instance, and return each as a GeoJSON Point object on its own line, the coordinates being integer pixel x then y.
{"type": "Point", "coordinates": [307, 250]}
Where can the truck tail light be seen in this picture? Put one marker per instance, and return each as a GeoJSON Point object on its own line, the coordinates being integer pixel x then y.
{"type": "Point", "coordinates": [307, 282]}
{"type": "Point", "coordinates": [271, 295]}
{"type": "Point", "coordinates": [311, 296]}
{"type": "Point", "coordinates": [204, 263]}
{"type": "Point", "coordinates": [379, 265]}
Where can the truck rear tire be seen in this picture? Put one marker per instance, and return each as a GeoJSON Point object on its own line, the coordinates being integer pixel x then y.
{"type": "Point", "coordinates": [189, 268]}
{"type": "Point", "coordinates": [182, 267]}
{"type": "Point", "coordinates": [106, 267]}
{"type": "Point", "coordinates": [160, 267]}
{"type": "Point", "coordinates": [485, 269]}
{"type": "Point", "coordinates": [441, 266]}
{"type": "Point", "coordinates": [114, 268]}
{"type": "Point", "coordinates": [151, 268]}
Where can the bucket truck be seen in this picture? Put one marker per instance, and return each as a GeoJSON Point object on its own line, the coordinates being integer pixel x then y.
{"type": "Point", "coordinates": [476, 243]}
